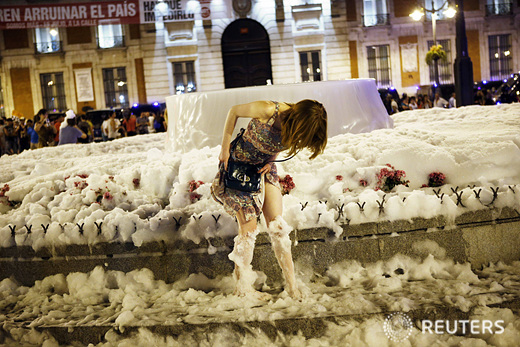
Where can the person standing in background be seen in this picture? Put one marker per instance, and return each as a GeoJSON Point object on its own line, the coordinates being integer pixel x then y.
{"type": "Point", "coordinates": [413, 104]}
{"type": "Point", "coordinates": [394, 106]}
{"type": "Point", "coordinates": [46, 132]}
{"type": "Point", "coordinates": [405, 103]}
{"type": "Point", "coordinates": [33, 135]}
{"type": "Point", "coordinates": [440, 101]}
{"type": "Point", "coordinates": [24, 138]}
{"type": "Point", "coordinates": [143, 123]}
{"type": "Point", "coordinates": [3, 145]}
{"type": "Point", "coordinates": [85, 126]}
{"type": "Point", "coordinates": [113, 127]}
{"type": "Point", "coordinates": [452, 102]}
{"type": "Point", "coordinates": [70, 133]}
{"type": "Point", "coordinates": [12, 133]}
{"type": "Point", "coordinates": [57, 125]}
{"type": "Point", "coordinates": [130, 124]}
{"type": "Point", "coordinates": [158, 123]}
{"type": "Point", "coordinates": [388, 103]}
{"type": "Point", "coordinates": [104, 129]}
{"type": "Point", "coordinates": [151, 119]}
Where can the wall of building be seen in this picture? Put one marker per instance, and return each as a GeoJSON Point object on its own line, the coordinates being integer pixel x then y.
{"type": "Point", "coordinates": [402, 28]}
{"type": "Point", "coordinates": [337, 31]}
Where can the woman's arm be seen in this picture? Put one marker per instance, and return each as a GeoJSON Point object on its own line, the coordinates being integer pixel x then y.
{"type": "Point", "coordinates": [83, 135]}
{"type": "Point", "coordinates": [256, 109]}
{"type": "Point", "coordinates": [267, 167]}
{"type": "Point", "coordinates": [38, 125]}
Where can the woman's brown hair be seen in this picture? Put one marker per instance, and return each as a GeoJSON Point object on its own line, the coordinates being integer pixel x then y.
{"type": "Point", "coordinates": [304, 125]}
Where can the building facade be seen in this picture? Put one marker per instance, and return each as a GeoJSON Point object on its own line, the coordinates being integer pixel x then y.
{"type": "Point", "coordinates": [260, 42]}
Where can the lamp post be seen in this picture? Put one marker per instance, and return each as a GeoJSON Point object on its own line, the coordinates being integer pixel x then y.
{"type": "Point", "coordinates": [463, 65]}
{"type": "Point", "coordinates": [419, 13]}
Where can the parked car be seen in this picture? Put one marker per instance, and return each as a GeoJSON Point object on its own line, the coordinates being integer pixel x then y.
{"type": "Point", "coordinates": [97, 117]}
{"type": "Point", "coordinates": [154, 108]}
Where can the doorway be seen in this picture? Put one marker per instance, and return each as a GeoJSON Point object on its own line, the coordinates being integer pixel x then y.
{"type": "Point", "coordinates": [246, 54]}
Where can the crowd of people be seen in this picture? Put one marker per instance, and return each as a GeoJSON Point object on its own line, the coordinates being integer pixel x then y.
{"type": "Point", "coordinates": [18, 134]}
{"type": "Point", "coordinates": [419, 101]}
{"type": "Point", "coordinates": [395, 104]}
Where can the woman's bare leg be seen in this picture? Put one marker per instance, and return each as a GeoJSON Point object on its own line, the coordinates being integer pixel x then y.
{"type": "Point", "coordinates": [279, 233]}
{"type": "Point", "coordinates": [242, 255]}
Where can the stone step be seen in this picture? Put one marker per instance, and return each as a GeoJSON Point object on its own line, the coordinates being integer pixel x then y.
{"type": "Point", "coordinates": [309, 327]}
{"type": "Point", "coordinates": [478, 237]}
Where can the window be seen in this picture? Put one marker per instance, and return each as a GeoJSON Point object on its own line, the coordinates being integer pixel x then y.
{"type": "Point", "coordinates": [445, 67]}
{"type": "Point", "coordinates": [184, 77]}
{"type": "Point", "coordinates": [379, 65]}
{"type": "Point", "coordinates": [110, 36]}
{"type": "Point", "coordinates": [500, 59]}
{"type": "Point", "coordinates": [499, 7]}
{"type": "Point", "coordinates": [47, 40]}
{"type": "Point", "coordinates": [310, 65]}
{"type": "Point", "coordinates": [2, 110]}
{"type": "Point", "coordinates": [116, 90]}
{"type": "Point", "coordinates": [437, 6]}
{"type": "Point", "coordinates": [375, 13]}
{"type": "Point", "coordinates": [53, 91]}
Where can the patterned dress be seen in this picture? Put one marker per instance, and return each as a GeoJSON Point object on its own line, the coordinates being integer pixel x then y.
{"type": "Point", "coordinates": [259, 143]}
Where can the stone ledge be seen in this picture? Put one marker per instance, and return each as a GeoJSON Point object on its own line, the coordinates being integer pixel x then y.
{"type": "Point", "coordinates": [309, 327]}
{"type": "Point", "coordinates": [317, 249]}
{"type": "Point", "coordinates": [481, 217]}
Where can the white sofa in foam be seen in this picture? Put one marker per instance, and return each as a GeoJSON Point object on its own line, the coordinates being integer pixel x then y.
{"type": "Point", "coordinates": [196, 120]}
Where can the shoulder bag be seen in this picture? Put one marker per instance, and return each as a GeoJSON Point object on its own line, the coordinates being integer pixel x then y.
{"type": "Point", "coordinates": [243, 176]}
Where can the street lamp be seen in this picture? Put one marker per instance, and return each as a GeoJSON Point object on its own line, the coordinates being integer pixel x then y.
{"type": "Point", "coordinates": [419, 13]}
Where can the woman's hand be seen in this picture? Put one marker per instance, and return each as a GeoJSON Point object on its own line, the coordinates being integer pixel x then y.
{"type": "Point", "coordinates": [265, 169]}
{"type": "Point", "coordinates": [224, 158]}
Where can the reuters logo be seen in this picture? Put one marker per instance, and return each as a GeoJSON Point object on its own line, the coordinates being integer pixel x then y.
{"type": "Point", "coordinates": [398, 326]}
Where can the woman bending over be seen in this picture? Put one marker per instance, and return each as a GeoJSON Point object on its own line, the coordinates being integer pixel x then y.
{"type": "Point", "coordinates": [274, 127]}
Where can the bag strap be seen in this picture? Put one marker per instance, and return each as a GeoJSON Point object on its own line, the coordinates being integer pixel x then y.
{"type": "Point", "coordinates": [281, 160]}
{"type": "Point", "coordinates": [235, 141]}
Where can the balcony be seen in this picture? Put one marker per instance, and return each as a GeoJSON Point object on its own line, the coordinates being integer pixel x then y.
{"type": "Point", "coordinates": [376, 20]}
{"type": "Point", "coordinates": [501, 9]}
{"type": "Point", "coordinates": [48, 47]}
{"type": "Point", "coordinates": [110, 42]}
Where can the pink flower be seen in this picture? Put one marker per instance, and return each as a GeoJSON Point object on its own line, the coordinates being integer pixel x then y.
{"type": "Point", "coordinates": [436, 179]}
{"type": "Point", "coordinates": [4, 189]}
{"type": "Point", "coordinates": [339, 178]}
{"type": "Point", "coordinates": [387, 179]}
{"type": "Point", "coordinates": [193, 185]}
{"type": "Point", "coordinates": [108, 196]}
{"type": "Point", "coordinates": [194, 197]}
{"type": "Point", "coordinates": [287, 184]}
{"type": "Point", "coordinates": [363, 182]}
{"type": "Point", "coordinates": [81, 185]}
